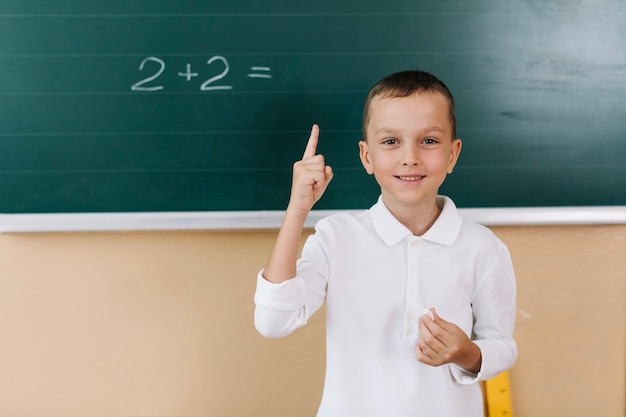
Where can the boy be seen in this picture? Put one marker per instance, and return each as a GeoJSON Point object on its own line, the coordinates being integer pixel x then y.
{"type": "Point", "coordinates": [420, 304]}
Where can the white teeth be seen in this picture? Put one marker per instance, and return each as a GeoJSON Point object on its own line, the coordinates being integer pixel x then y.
{"type": "Point", "coordinates": [411, 178]}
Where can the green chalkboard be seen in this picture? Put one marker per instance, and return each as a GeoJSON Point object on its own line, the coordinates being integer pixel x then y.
{"type": "Point", "coordinates": [161, 105]}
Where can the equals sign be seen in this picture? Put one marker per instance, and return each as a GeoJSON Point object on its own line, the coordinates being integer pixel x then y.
{"type": "Point", "coordinates": [260, 72]}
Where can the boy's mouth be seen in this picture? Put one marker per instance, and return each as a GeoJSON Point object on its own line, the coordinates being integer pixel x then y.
{"type": "Point", "coordinates": [410, 177]}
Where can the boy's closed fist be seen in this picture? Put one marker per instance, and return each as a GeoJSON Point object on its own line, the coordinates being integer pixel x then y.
{"type": "Point", "coordinates": [441, 342]}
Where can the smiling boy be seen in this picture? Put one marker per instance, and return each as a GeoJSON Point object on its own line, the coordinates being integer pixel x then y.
{"type": "Point", "coordinates": [379, 270]}
{"type": "Point", "coordinates": [410, 148]}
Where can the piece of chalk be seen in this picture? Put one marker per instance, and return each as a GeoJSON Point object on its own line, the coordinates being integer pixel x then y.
{"type": "Point", "coordinates": [428, 313]}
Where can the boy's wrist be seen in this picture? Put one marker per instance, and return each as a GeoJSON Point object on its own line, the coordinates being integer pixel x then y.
{"type": "Point", "coordinates": [297, 212]}
{"type": "Point", "coordinates": [472, 360]}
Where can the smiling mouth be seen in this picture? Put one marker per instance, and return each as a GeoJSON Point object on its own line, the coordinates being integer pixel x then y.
{"type": "Point", "coordinates": [410, 178]}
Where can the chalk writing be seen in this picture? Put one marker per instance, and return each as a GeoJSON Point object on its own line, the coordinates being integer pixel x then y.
{"type": "Point", "coordinates": [139, 86]}
{"type": "Point", "coordinates": [218, 70]}
{"type": "Point", "coordinates": [188, 74]}
{"type": "Point", "coordinates": [206, 86]}
{"type": "Point", "coordinates": [260, 72]}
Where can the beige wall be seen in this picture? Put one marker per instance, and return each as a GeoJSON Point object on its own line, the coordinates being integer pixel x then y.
{"type": "Point", "coordinates": [161, 324]}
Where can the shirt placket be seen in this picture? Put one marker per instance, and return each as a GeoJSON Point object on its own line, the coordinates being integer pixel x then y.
{"type": "Point", "coordinates": [412, 296]}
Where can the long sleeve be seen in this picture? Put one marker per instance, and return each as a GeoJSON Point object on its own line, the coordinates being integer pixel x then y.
{"type": "Point", "coordinates": [283, 308]}
{"type": "Point", "coordinates": [279, 307]}
{"type": "Point", "coordinates": [494, 312]}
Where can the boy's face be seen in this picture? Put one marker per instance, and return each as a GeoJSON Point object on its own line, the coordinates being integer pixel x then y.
{"type": "Point", "coordinates": [409, 148]}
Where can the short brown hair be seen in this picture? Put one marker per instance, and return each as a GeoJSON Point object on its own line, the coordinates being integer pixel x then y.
{"type": "Point", "coordinates": [403, 84]}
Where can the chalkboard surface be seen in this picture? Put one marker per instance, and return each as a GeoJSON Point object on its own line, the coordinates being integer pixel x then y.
{"type": "Point", "coordinates": [132, 106]}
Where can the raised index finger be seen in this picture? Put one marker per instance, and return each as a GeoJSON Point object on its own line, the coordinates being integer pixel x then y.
{"type": "Point", "coordinates": [311, 146]}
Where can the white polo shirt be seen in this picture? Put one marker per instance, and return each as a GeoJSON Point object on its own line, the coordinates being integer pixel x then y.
{"type": "Point", "coordinates": [376, 279]}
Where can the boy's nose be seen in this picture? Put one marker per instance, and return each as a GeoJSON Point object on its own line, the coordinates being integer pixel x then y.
{"type": "Point", "coordinates": [411, 157]}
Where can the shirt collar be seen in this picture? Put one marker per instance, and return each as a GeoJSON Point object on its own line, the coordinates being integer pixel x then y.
{"type": "Point", "coordinates": [444, 231]}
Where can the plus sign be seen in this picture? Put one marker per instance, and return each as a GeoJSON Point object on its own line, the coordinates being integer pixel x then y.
{"type": "Point", "coordinates": [188, 74]}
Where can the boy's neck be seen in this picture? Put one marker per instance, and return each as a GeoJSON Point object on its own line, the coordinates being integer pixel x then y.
{"type": "Point", "coordinates": [418, 219]}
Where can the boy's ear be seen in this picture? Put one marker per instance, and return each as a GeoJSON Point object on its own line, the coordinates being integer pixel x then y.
{"type": "Point", "coordinates": [454, 154]}
{"type": "Point", "coordinates": [364, 153]}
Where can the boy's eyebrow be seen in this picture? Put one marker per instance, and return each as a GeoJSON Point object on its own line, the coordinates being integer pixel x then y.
{"type": "Point", "coordinates": [426, 130]}
{"type": "Point", "coordinates": [433, 128]}
{"type": "Point", "coordinates": [385, 130]}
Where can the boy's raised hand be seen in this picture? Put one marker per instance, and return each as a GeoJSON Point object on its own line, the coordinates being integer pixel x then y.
{"type": "Point", "coordinates": [310, 179]}
{"type": "Point", "coordinates": [311, 176]}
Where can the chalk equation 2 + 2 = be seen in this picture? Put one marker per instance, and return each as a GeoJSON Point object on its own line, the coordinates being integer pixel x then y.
{"type": "Point", "coordinates": [218, 70]}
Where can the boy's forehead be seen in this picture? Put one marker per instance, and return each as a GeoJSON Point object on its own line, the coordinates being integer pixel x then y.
{"type": "Point", "coordinates": [426, 104]}
{"type": "Point", "coordinates": [434, 96]}
{"type": "Point", "coordinates": [428, 108]}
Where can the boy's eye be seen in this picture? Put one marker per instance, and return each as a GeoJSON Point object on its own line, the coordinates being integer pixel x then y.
{"type": "Point", "coordinates": [390, 141]}
{"type": "Point", "coordinates": [430, 141]}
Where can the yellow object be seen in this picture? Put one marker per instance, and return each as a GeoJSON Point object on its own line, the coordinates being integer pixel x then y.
{"type": "Point", "coordinates": [498, 392]}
